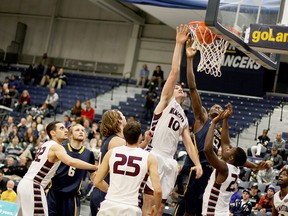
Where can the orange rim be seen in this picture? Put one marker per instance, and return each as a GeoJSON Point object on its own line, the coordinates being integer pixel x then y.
{"type": "Point", "coordinates": [202, 24]}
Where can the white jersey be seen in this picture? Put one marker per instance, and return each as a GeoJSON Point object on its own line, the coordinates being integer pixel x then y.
{"type": "Point", "coordinates": [167, 127]}
{"type": "Point", "coordinates": [41, 170]}
{"type": "Point", "coordinates": [217, 196]}
{"type": "Point", "coordinates": [128, 167]}
{"type": "Point", "coordinates": [281, 205]}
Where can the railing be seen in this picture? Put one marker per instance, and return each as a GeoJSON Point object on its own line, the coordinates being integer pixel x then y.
{"type": "Point", "coordinates": [73, 64]}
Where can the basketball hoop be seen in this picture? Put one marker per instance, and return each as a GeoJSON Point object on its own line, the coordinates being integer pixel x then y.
{"type": "Point", "coordinates": [212, 48]}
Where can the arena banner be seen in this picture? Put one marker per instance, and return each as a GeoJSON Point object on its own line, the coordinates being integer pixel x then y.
{"type": "Point", "coordinates": [269, 38]}
{"type": "Point", "coordinates": [240, 74]}
{"type": "Point", "coordinates": [8, 208]}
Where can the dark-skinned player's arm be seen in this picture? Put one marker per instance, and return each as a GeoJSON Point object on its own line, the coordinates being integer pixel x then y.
{"type": "Point", "coordinates": [220, 165]}
{"type": "Point", "coordinates": [199, 111]}
{"type": "Point", "coordinates": [225, 138]}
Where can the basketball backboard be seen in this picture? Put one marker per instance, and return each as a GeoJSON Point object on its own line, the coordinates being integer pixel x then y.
{"type": "Point", "coordinates": [232, 18]}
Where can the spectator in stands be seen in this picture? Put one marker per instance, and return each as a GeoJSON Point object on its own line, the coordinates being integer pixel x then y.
{"type": "Point", "coordinates": [261, 146]}
{"type": "Point", "coordinates": [41, 69]}
{"type": "Point", "coordinates": [14, 82]}
{"type": "Point", "coordinates": [29, 75]}
{"type": "Point", "coordinates": [236, 195]}
{"type": "Point", "coordinates": [132, 118]}
{"type": "Point", "coordinates": [29, 120]}
{"type": "Point", "coordinates": [76, 109]}
{"type": "Point", "coordinates": [4, 92]}
{"type": "Point", "coordinates": [51, 102]}
{"type": "Point", "coordinates": [12, 97]}
{"type": "Point", "coordinates": [43, 137]}
{"type": "Point", "coordinates": [88, 112]}
{"type": "Point", "coordinates": [95, 145]}
{"type": "Point", "coordinates": [143, 76]}
{"type": "Point", "coordinates": [53, 78]}
{"type": "Point", "coordinates": [9, 195]}
{"type": "Point", "coordinates": [21, 169]}
{"type": "Point", "coordinates": [86, 124]}
{"type": "Point", "coordinates": [10, 123]}
{"type": "Point", "coordinates": [8, 169]}
{"type": "Point", "coordinates": [66, 121]}
{"type": "Point", "coordinates": [61, 79]}
{"type": "Point", "coordinates": [266, 176]}
{"type": "Point", "coordinates": [14, 150]}
{"type": "Point", "coordinates": [2, 154]}
{"type": "Point", "coordinates": [8, 95]}
{"type": "Point", "coordinates": [31, 149]}
{"type": "Point", "coordinates": [47, 76]}
{"type": "Point", "coordinates": [22, 128]}
{"type": "Point", "coordinates": [157, 76]}
{"type": "Point", "coordinates": [151, 97]}
{"type": "Point", "coordinates": [6, 82]}
{"type": "Point", "coordinates": [279, 143]}
{"type": "Point", "coordinates": [241, 207]}
{"type": "Point", "coordinates": [26, 138]}
{"type": "Point", "coordinates": [94, 130]}
{"type": "Point", "coordinates": [40, 125]}
{"type": "Point", "coordinates": [3, 182]}
{"type": "Point", "coordinates": [4, 134]}
{"type": "Point", "coordinates": [24, 101]}
{"type": "Point", "coordinates": [275, 158]}
{"type": "Point", "coordinates": [13, 133]}
{"type": "Point", "coordinates": [254, 197]}
{"type": "Point", "coordinates": [265, 203]}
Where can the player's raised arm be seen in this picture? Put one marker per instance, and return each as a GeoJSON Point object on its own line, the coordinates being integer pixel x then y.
{"type": "Point", "coordinates": [218, 164]}
{"type": "Point", "coordinates": [167, 91]}
{"type": "Point", "coordinates": [199, 111]}
{"type": "Point", "coordinates": [225, 139]}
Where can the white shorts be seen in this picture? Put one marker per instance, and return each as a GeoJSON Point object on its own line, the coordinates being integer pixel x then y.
{"type": "Point", "coordinates": [168, 171]}
{"type": "Point", "coordinates": [110, 208]}
{"type": "Point", "coordinates": [27, 194]}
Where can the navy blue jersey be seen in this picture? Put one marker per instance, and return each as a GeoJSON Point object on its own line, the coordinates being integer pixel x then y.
{"type": "Point", "coordinates": [200, 141]}
{"type": "Point", "coordinates": [68, 179]}
{"type": "Point", "coordinates": [104, 150]}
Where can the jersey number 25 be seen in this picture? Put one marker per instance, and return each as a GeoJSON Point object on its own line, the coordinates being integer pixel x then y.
{"type": "Point", "coordinates": [119, 165]}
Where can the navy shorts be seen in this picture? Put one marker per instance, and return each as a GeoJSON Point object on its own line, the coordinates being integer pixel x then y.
{"type": "Point", "coordinates": [190, 197]}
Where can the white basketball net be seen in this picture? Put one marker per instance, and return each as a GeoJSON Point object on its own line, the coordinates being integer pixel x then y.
{"type": "Point", "coordinates": [211, 55]}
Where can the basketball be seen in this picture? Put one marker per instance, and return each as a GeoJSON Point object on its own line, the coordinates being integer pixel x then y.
{"type": "Point", "coordinates": [203, 33]}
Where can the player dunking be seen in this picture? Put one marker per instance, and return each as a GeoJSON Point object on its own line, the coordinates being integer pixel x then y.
{"type": "Point", "coordinates": [191, 198]}
{"type": "Point", "coordinates": [127, 166]}
{"type": "Point", "coordinates": [280, 199]}
{"type": "Point", "coordinates": [112, 124]}
{"type": "Point", "coordinates": [63, 197]}
{"type": "Point", "coordinates": [223, 179]}
{"type": "Point", "coordinates": [31, 195]}
{"type": "Point", "coordinates": [169, 123]}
